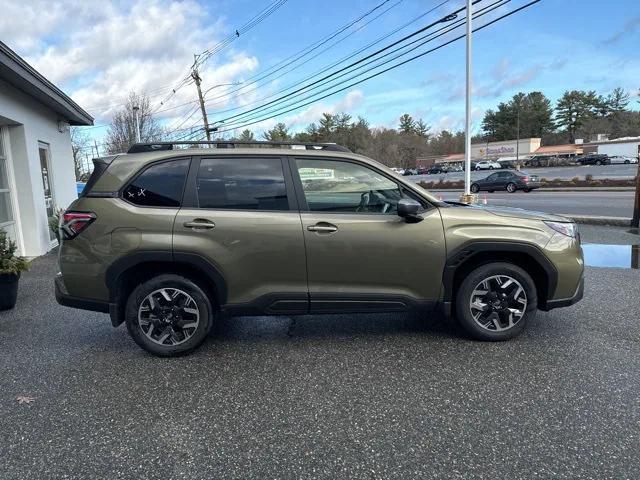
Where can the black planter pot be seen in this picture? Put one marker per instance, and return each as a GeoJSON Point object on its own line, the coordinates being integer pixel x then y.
{"type": "Point", "coordinates": [8, 290]}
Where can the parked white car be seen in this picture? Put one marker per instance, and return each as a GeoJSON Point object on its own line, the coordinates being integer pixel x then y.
{"type": "Point", "coordinates": [623, 159]}
{"type": "Point", "coordinates": [399, 171]}
{"type": "Point", "coordinates": [488, 165]}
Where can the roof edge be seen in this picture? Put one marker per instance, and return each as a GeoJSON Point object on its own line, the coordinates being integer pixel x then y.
{"type": "Point", "coordinates": [33, 83]}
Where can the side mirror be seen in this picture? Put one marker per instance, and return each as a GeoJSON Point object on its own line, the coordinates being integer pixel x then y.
{"type": "Point", "coordinates": [408, 209]}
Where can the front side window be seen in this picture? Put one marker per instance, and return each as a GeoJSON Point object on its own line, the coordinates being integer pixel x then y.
{"type": "Point", "coordinates": [159, 185]}
{"type": "Point", "coordinates": [242, 184]}
{"type": "Point", "coordinates": [336, 186]}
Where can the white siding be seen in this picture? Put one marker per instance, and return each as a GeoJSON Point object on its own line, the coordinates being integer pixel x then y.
{"type": "Point", "coordinates": [29, 123]}
{"type": "Point", "coordinates": [629, 149]}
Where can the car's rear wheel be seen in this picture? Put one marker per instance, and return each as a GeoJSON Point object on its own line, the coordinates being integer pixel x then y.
{"type": "Point", "coordinates": [475, 188]}
{"type": "Point", "coordinates": [495, 301]}
{"type": "Point", "coordinates": [598, 162]}
{"type": "Point", "coordinates": [169, 315]}
{"type": "Point", "coordinates": [627, 162]}
{"type": "Point", "coordinates": [526, 190]}
{"type": "Point", "coordinates": [511, 187]}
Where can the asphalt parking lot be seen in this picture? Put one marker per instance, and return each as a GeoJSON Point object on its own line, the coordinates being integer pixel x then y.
{"type": "Point", "coordinates": [359, 396]}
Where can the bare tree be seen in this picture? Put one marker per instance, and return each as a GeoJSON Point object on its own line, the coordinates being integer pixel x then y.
{"type": "Point", "coordinates": [122, 131]}
{"type": "Point", "coordinates": [80, 143]}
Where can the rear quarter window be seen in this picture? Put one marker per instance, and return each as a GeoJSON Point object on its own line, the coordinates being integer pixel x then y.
{"type": "Point", "coordinates": [160, 185]}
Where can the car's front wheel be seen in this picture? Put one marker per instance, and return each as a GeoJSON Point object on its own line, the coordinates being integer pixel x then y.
{"type": "Point", "coordinates": [495, 301]}
{"type": "Point", "coordinates": [169, 315]}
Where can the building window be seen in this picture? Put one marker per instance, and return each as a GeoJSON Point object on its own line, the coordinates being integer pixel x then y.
{"type": "Point", "coordinates": [242, 184]}
{"type": "Point", "coordinates": [7, 221]}
{"type": "Point", "coordinates": [160, 185]}
{"type": "Point", "coordinates": [47, 184]}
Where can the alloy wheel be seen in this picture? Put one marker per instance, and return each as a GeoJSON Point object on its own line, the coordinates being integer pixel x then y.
{"type": "Point", "coordinates": [168, 316]}
{"type": "Point", "coordinates": [511, 188]}
{"type": "Point", "coordinates": [498, 303]}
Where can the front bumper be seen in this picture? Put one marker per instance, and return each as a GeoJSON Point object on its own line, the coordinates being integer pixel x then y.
{"type": "Point", "coordinates": [565, 302]}
{"type": "Point", "coordinates": [63, 298]}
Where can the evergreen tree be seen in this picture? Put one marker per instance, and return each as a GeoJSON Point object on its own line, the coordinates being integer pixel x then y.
{"type": "Point", "coordinates": [246, 136]}
{"type": "Point", "coordinates": [279, 133]}
{"type": "Point", "coordinates": [407, 124]}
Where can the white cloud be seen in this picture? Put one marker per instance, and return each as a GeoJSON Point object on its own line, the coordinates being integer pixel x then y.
{"type": "Point", "coordinates": [100, 51]}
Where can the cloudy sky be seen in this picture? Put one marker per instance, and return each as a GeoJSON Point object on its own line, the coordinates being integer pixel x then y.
{"type": "Point", "coordinates": [98, 51]}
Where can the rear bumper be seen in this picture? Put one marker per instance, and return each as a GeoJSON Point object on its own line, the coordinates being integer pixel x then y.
{"type": "Point", "coordinates": [565, 302]}
{"type": "Point", "coordinates": [63, 298]}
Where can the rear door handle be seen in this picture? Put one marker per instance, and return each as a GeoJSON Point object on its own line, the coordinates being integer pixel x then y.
{"type": "Point", "coordinates": [322, 228]}
{"type": "Point", "coordinates": [200, 224]}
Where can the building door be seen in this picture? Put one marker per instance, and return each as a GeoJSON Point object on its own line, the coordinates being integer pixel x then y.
{"type": "Point", "coordinates": [47, 184]}
{"type": "Point", "coordinates": [7, 218]}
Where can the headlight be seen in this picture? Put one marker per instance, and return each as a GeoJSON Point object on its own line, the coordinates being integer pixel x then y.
{"type": "Point", "coordinates": [565, 228]}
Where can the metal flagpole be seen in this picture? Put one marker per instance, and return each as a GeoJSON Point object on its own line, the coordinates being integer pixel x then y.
{"type": "Point", "coordinates": [467, 197]}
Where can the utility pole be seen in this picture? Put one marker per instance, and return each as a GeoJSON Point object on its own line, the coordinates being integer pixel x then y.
{"type": "Point", "coordinates": [467, 197]}
{"type": "Point", "coordinates": [136, 109]}
{"type": "Point", "coordinates": [198, 80]}
{"type": "Point", "coordinates": [96, 145]}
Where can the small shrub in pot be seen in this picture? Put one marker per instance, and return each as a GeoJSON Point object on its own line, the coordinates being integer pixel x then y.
{"type": "Point", "coordinates": [10, 268]}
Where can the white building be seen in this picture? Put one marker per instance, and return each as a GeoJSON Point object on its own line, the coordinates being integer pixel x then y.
{"type": "Point", "coordinates": [36, 162]}
{"type": "Point", "coordinates": [623, 147]}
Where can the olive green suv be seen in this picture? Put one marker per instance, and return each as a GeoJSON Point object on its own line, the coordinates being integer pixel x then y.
{"type": "Point", "coordinates": [165, 238]}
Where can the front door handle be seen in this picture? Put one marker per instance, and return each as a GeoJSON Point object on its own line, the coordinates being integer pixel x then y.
{"type": "Point", "coordinates": [322, 228]}
{"type": "Point", "coordinates": [200, 224]}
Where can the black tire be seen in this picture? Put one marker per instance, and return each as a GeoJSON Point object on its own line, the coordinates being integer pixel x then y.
{"type": "Point", "coordinates": [472, 280]}
{"type": "Point", "coordinates": [490, 191]}
{"type": "Point", "coordinates": [526, 190]}
{"type": "Point", "coordinates": [627, 162]}
{"type": "Point", "coordinates": [183, 284]}
{"type": "Point", "coordinates": [475, 188]}
{"type": "Point", "coordinates": [512, 187]}
{"type": "Point", "coordinates": [598, 162]}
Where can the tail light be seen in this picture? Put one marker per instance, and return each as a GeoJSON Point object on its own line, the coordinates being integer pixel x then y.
{"type": "Point", "coordinates": [73, 223]}
{"type": "Point", "coordinates": [525, 179]}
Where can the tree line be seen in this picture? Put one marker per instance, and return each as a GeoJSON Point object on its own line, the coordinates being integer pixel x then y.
{"type": "Point", "coordinates": [577, 114]}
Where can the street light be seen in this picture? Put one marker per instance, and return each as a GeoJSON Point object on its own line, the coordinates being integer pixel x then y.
{"type": "Point", "coordinates": [220, 85]}
{"type": "Point", "coordinates": [135, 113]}
{"type": "Point", "coordinates": [215, 127]}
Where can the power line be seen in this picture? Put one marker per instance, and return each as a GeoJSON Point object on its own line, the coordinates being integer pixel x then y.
{"type": "Point", "coordinates": [374, 57]}
{"type": "Point", "coordinates": [337, 62]}
{"type": "Point", "coordinates": [299, 54]}
{"type": "Point", "coordinates": [308, 49]}
{"type": "Point", "coordinates": [263, 14]}
{"type": "Point", "coordinates": [415, 57]}
{"type": "Point", "coordinates": [204, 56]}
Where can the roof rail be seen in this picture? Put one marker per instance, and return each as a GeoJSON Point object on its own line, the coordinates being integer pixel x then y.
{"type": "Point", "coordinates": [159, 146]}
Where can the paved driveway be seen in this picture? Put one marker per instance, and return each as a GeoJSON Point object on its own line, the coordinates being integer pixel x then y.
{"type": "Point", "coordinates": [386, 396]}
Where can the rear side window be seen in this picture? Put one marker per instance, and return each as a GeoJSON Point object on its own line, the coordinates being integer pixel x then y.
{"type": "Point", "coordinates": [100, 165]}
{"type": "Point", "coordinates": [242, 184]}
{"type": "Point", "coordinates": [159, 185]}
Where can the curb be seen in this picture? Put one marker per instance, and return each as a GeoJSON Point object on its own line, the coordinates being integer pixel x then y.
{"type": "Point", "coordinates": [552, 189]}
{"type": "Point", "coordinates": [596, 220]}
